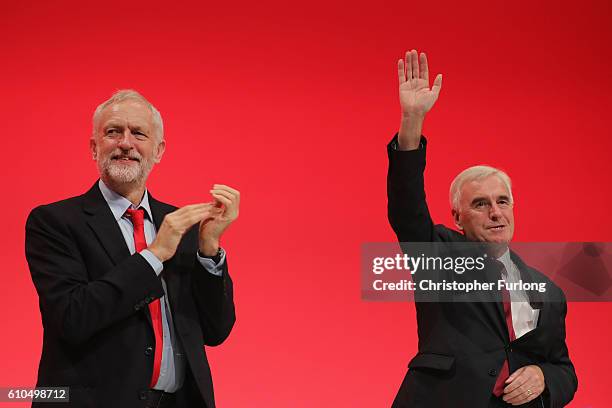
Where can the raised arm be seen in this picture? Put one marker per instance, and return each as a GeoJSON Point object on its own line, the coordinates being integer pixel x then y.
{"type": "Point", "coordinates": [407, 208]}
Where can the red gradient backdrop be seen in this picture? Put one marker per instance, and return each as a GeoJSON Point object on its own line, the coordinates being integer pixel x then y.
{"type": "Point", "coordinates": [293, 104]}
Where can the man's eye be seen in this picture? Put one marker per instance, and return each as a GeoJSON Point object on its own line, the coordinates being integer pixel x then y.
{"type": "Point", "coordinates": [480, 204]}
{"type": "Point", "coordinates": [110, 131]}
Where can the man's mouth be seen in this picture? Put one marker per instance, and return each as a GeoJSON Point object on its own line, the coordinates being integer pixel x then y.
{"type": "Point", "coordinates": [497, 227]}
{"type": "Point", "coordinates": [125, 158]}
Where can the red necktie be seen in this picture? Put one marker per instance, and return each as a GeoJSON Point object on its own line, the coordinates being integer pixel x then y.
{"type": "Point", "coordinates": [504, 373]}
{"type": "Point", "coordinates": [137, 217]}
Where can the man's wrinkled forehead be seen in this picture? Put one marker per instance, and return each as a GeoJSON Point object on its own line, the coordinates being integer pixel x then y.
{"type": "Point", "coordinates": [489, 187]}
{"type": "Point", "coordinates": [127, 112]}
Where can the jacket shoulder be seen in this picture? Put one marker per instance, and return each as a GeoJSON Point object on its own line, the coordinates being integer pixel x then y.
{"type": "Point", "coordinates": [444, 234]}
{"type": "Point", "coordinates": [57, 209]}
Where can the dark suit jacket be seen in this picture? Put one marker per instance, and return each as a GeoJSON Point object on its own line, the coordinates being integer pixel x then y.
{"type": "Point", "coordinates": [463, 345]}
{"type": "Point", "coordinates": [93, 294]}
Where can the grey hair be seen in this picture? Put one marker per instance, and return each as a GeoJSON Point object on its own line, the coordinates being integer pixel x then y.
{"type": "Point", "coordinates": [472, 174]}
{"type": "Point", "coordinates": [129, 94]}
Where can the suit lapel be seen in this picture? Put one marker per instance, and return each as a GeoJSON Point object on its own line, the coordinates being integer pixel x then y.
{"type": "Point", "coordinates": [159, 210]}
{"type": "Point", "coordinates": [104, 226]}
{"type": "Point", "coordinates": [528, 275]}
{"type": "Point", "coordinates": [495, 307]}
{"type": "Point", "coordinates": [489, 302]}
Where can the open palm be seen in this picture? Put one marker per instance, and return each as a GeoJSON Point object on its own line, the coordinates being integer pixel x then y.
{"type": "Point", "coordinates": [416, 97]}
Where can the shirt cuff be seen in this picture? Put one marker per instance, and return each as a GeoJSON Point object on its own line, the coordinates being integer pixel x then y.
{"type": "Point", "coordinates": [155, 263]}
{"type": "Point", "coordinates": [210, 265]}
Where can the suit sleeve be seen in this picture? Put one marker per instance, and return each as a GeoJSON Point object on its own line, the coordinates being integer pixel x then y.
{"type": "Point", "coordinates": [72, 305]}
{"type": "Point", "coordinates": [559, 373]}
{"type": "Point", "coordinates": [407, 207]}
{"type": "Point", "coordinates": [214, 299]}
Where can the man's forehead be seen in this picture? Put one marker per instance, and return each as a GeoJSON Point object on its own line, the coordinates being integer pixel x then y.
{"type": "Point", "coordinates": [491, 186]}
{"type": "Point", "coordinates": [131, 111]}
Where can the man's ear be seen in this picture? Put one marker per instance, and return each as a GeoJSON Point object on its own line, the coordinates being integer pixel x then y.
{"type": "Point", "coordinates": [455, 214]}
{"type": "Point", "coordinates": [161, 148]}
{"type": "Point", "coordinates": [92, 147]}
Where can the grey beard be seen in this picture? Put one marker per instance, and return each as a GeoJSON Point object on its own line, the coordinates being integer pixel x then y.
{"type": "Point", "coordinates": [125, 174]}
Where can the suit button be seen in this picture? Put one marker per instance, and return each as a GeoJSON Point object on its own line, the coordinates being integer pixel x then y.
{"type": "Point", "coordinates": [493, 372]}
{"type": "Point", "coordinates": [148, 351]}
{"type": "Point", "coordinates": [142, 395]}
{"type": "Point", "coordinates": [137, 306]}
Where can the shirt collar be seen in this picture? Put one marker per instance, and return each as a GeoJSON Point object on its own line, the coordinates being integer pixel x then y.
{"type": "Point", "coordinates": [118, 204]}
{"type": "Point", "coordinates": [505, 259]}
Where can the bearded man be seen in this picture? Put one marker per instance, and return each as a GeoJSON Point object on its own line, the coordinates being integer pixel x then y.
{"type": "Point", "coordinates": [131, 289]}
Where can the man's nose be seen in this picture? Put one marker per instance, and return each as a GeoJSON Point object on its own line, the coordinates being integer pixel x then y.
{"type": "Point", "coordinates": [495, 211]}
{"type": "Point", "coordinates": [125, 142]}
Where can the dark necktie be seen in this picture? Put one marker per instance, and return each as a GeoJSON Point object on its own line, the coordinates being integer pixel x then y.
{"type": "Point", "coordinates": [504, 373]}
{"type": "Point", "coordinates": [137, 218]}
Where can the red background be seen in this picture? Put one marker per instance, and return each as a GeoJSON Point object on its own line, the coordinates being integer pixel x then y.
{"type": "Point", "coordinates": [293, 104]}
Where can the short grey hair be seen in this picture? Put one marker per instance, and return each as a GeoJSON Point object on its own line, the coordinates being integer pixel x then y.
{"type": "Point", "coordinates": [472, 174]}
{"type": "Point", "coordinates": [125, 95]}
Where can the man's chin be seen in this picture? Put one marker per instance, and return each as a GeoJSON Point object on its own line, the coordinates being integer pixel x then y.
{"type": "Point", "coordinates": [498, 240]}
{"type": "Point", "coordinates": [123, 175]}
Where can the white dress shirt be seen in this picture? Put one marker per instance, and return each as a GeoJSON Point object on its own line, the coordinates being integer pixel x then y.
{"type": "Point", "coordinates": [524, 317]}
